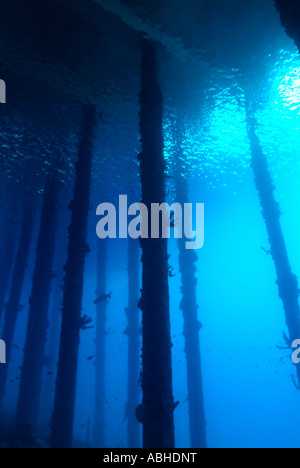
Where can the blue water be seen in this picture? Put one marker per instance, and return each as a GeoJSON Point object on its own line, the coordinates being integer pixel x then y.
{"type": "Point", "coordinates": [207, 71]}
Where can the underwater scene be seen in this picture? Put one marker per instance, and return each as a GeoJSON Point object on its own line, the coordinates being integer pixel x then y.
{"type": "Point", "coordinates": [150, 224]}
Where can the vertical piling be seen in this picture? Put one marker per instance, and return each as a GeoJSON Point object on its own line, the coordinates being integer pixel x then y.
{"type": "Point", "coordinates": [157, 409]}
{"type": "Point", "coordinates": [72, 322]}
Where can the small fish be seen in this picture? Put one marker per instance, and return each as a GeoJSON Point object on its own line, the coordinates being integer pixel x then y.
{"type": "Point", "coordinates": [103, 298]}
{"type": "Point", "coordinates": [176, 404]}
{"type": "Point", "coordinates": [268, 252]}
{"type": "Point", "coordinates": [90, 358]}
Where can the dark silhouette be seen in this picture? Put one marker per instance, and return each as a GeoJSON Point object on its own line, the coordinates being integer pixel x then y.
{"type": "Point", "coordinates": [286, 281]}
{"type": "Point", "coordinates": [38, 322]}
{"type": "Point", "coordinates": [99, 427]}
{"type": "Point", "coordinates": [133, 333]}
{"type": "Point", "coordinates": [102, 298]}
{"type": "Point", "coordinates": [290, 18]}
{"type": "Point", "coordinates": [72, 321]}
{"type": "Point", "coordinates": [189, 307]}
{"type": "Point", "coordinates": [158, 401]}
{"type": "Point", "coordinates": [13, 304]}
